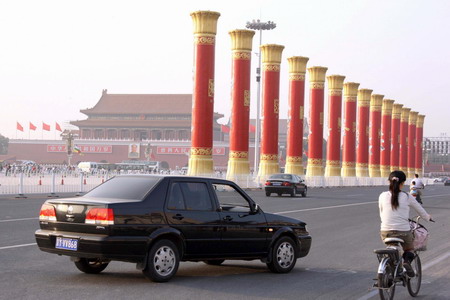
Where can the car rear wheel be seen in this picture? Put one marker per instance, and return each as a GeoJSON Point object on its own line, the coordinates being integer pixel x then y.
{"type": "Point", "coordinates": [294, 192]}
{"type": "Point", "coordinates": [304, 192]}
{"type": "Point", "coordinates": [268, 194]}
{"type": "Point", "coordinates": [216, 262]}
{"type": "Point", "coordinates": [283, 256]}
{"type": "Point", "coordinates": [91, 265]}
{"type": "Point", "coordinates": [279, 194]}
{"type": "Point", "coordinates": [163, 261]}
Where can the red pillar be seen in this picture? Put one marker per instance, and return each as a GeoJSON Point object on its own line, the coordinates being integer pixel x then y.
{"type": "Point", "coordinates": [362, 133]}
{"type": "Point", "coordinates": [333, 163]}
{"type": "Point", "coordinates": [271, 60]}
{"type": "Point", "coordinates": [205, 28]}
{"type": "Point", "coordinates": [316, 110]}
{"type": "Point", "coordinates": [403, 157]}
{"type": "Point", "coordinates": [294, 147]}
{"type": "Point", "coordinates": [395, 136]}
{"type": "Point", "coordinates": [412, 143]}
{"type": "Point", "coordinates": [385, 143]}
{"type": "Point", "coordinates": [241, 46]}
{"type": "Point", "coordinates": [349, 139]}
{"type": "Point", "coordinates": [374, 136]}
{"type": "Point", "coordinates": [419, 144]}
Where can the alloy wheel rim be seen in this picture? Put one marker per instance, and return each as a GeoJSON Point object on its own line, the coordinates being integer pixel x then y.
{"type": "Point", "coordinates": [285, 255]}
{"type": "Point", "coordinates": [164, 261]}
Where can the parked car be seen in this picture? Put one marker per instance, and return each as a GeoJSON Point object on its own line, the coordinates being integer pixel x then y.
{"type": "Point", "coordinates": [447, 181]}
{"type": "Point", "coordinates": [285, 184]}
{"type": "Point", "coordinates": [156, 221]}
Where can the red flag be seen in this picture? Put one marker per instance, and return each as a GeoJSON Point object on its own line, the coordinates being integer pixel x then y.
{"type": "Point", "coordinates": [32, 127]}
{"type": "Point", "coordinates": [225, 129]}
{"type": "Point", "coordinates": [252, 128]}
{"type": "Point", "coordinates": [19, 127]}
{"type": "Point", "coordinates": [58, 127]}
{"type": "Point", "coordinates": [45, 126]}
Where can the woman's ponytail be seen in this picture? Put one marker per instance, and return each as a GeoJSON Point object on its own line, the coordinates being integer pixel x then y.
{"type": "Point", "coordinates": [396, 179]}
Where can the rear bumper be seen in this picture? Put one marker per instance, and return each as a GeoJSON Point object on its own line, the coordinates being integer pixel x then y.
{"type": "Point", "coordinates": [123, 248]}
{"type": "Point", "coordinates": [279, 189]}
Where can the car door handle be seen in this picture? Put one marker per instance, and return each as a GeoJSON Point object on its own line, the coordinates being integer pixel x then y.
{"type": "Point", "coordinates": [227, 218]}
{"type": "Point", "coordinates": [178, 217]}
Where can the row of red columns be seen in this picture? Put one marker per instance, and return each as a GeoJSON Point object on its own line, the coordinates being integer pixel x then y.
{"type": "Point", "coordinates": [378, 135]}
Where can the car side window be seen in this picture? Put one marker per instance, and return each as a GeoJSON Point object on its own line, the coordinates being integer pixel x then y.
{"type": "Point", "coordinates": [176, 200]}
{"type": "Point", "coordinates": [230, 199]}
{"type": "Point", "coordinates": [196, 196]}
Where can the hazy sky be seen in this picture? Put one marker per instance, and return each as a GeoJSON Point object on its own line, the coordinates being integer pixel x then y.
{"type": "Point", "coordinates": [57, 56]}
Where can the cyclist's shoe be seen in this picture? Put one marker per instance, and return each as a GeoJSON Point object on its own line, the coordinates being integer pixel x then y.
{"type": "Point", "coordinates": [409, 269]}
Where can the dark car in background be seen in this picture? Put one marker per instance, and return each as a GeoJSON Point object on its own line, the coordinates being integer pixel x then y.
{"type": "Point", "coordinates": [285, 184]}
{"type": "Point", "coordinates": [447, 181]}
{"type": "Point", "coordinates": [157, 221]}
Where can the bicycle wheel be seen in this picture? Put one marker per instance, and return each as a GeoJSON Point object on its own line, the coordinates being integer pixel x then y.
{"type": "Point", "coordinates": [414, 283]}
{"type": "Point", "coordinates": [386, 282]}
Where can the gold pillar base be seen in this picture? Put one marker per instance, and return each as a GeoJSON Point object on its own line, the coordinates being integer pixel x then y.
{"type": "Point", "coordinates": [411, 173]}
{"type": "Point", "coordinates": [374, 171]}
{"type": "Point", "coordinates": [294, 165]}
{"type": "Point", "coordinates": [394, 168]}
{"type": "Point", "coordinates": [200, 165]}
{"type": "Point", "coordinates": [238, 168]}
{"type": "Point", "coordinates": [385, 171]}
{"type": "Point", "coordinates": [420, 172]}
{"type": "Point", "coordinates": [348, 169]}
{"type": "Point", "coordinates": [314, 168]}
{"type": "Point", "coordinates": [333, 168]}
{"type": "Point", "coordinates": [362, 170]}
{"type": "Point", "coordinates": [268, 167]}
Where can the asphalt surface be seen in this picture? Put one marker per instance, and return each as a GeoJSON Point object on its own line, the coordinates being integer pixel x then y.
{"type": "Point", "coordinates": [343, 222]}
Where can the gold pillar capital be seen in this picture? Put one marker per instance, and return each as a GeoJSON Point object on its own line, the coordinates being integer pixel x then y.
{"type": "Point", "coordinates": [405, 114]}
{"type": "Point", "coordinates": [271, 53]}
{"type": "Point", "coordinates": [364, 97]}
{"type": "Point", "coordinates": [297, 64]}
{"type": "Point", "coordinates": [241, 39]}
{"type": "Point", "coordinates": [335, 82]}
{"type": "Point", "coordinates": [351, 89]}
{"type": "Point", "coordinates": [397, 111]}
{"type": "Point", "coordinates": [376, 101]}
{"type": "Point", "coordinates": [317, 74]}
{"type": "Point", "coordinates": [387, 105]}
{"type": "Point", "coordinates": [412, 117]}
{"type": "Point", "coordinates": [205, 22]}
{"type": "Point", "coordinates": [420, 121]}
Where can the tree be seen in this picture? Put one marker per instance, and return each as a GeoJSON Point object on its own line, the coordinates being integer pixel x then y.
{"type": "Point", "coordinates": [4, 141]}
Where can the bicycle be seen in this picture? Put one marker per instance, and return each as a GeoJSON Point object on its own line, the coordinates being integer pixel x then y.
{"type": "Point", "coordinates": [391, 270]}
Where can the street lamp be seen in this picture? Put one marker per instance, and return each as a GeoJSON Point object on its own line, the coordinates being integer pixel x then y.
{"type": "Point", "coordinates": [258, 25]}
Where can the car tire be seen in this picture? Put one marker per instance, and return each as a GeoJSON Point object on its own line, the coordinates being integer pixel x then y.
{"type": "Point", "coordinates": [91, 265]}
{"type": "Point", "coordinates": [304, 192]}
{"type": "Point", "coordinates": [279, 194]}
{"type": "Point", "coordinates": [163, 261]}
{"type": "Point", "coordinates": [268, 194]}
{"type": "Point", "coordinates": [294, 192]}
{"type": "Point", "coordinates": [216, 262]}
{"type": "Point", "coordinates": [283, 256]}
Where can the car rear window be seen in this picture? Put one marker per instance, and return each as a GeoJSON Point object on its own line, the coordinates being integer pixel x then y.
{"type": "Point", "coordinates": [129, 188]}
{"type": "Point", "coordinates": [281, 176]}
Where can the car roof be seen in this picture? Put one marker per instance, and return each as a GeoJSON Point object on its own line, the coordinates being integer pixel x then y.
{"type": "Point", "coordinates": [174, 176]}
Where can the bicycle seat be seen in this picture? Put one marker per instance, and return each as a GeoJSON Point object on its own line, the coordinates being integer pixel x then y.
{"type": "Point", "coordinates": [393, 240]}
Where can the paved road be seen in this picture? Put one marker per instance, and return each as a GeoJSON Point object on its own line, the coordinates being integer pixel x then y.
{"type": "Point", "coordinates": [343, 222]}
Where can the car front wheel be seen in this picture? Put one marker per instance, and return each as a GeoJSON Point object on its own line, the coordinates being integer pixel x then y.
{"type": "Point", "coordinates": [91, 265]}
{"type": "Point", "coordinates": [283, 256]}
{"type": "Point", "coordinates": [163, 261]}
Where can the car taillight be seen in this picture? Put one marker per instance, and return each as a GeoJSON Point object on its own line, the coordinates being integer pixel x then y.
{"type": "Point", "coordinates": [268, 183]}
{"type": "Point", "coordinates": [100, 216]}
{"type": "Point", "coordinates": [47, 213]}
{"type": "Point", "coordinates": [286, 183]}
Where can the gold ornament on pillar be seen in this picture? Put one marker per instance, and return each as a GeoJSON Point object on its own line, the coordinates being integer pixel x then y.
{"type": "Point", "coordinates": [376, 101]}
{"type": "Point", "coordinates": [362, 134]}
{"type": "Point", "coordinates": [386, 110]}
{"type": "Point", "coordinates": [349, 146]}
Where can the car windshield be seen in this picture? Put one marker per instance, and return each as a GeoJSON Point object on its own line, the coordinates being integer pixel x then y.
{"type": "Point", "coordinates": [281, 176]}
{"type": "Point", "coordinates": [129, 188]}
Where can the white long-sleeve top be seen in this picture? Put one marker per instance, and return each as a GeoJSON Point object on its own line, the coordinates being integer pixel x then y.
{"type": "Point", "coordinates": [398, 219]}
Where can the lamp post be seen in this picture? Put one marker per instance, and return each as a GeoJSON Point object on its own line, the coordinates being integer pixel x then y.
{"type": "Point", "coordinates": [258, 25]}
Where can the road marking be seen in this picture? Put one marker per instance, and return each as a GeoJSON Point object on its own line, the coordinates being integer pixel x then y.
{"type": "Point", "coordinates": [432, 196]}
{"type": "Point", "coordinates": [325, 207]}
{"type": "Point", "coordinates": [425, 267]}
{"type": "Point", "coordinates": [17, 246]}
{"type": "Point", "coordinates": [13, 220]}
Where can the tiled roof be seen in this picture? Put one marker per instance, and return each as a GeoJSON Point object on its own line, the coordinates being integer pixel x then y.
{"type": "Point", "coordinates": [134, 123]}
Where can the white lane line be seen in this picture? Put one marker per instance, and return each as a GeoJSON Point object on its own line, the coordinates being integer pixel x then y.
{"type": "Point", "coordinates": [325, 207]}
{"type": "Point", "coordinates": [13, 220]}
{"type": "Point", "coordinates": [17, 246]}
{"type": "Point", "coordinates": [432, 196]}
{"type": "Point", "coordinates": [425, 267]}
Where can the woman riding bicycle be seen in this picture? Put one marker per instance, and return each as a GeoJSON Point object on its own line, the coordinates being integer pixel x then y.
{"type": "Point", "coordinates": [394, 213]}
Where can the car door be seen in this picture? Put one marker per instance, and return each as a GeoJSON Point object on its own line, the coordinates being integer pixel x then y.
{"type": "Point", "coordinates": [244, 232]}
{"type": "Point", "coordinates": [190, 209]}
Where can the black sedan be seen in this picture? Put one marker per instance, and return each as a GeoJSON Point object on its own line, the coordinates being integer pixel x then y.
{"type": "Point", "coordinates": [158, 221]}
{"type": "Point", "coordinates": [285, 184]}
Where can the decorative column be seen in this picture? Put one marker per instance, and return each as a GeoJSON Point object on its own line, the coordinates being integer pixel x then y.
{"type": "Point", "coordinates": [412, 143]}
{"type": "Point", "coordinates": [241, 46]}
{"type": "Point", "coordinates": [349, 138]}
{"type": "Point", "coordinates": [375, 133]}
{"type": "Point", "coordinates": [362, 133]}
{"type": "Point", "coordinates": [403, 149]}
{"type": "Point", "coordinates": [395, 136]}
{"type": "Point", "coordinates": [333, 163]}
{"type": "Point", "coordinates": [419, 144]}
{"type": "Point", "coordinates": [385, 143]}
{"type": "Point", "coordinates": [271, 60]}
{"type": "Point", "coordinates": [316, 108]}
{"type": "Point", "coordinates": [294, 147]}
{"type": "Point", "coordinates": [205, 28]}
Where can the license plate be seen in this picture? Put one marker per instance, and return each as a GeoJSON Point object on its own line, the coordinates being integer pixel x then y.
{"type": "Point", "coordinates": [66, 243]}
{"type": "Point", "coordinates": [276, 183]}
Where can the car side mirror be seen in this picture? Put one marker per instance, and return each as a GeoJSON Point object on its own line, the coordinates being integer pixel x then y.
{"type": "Point", "coordinates": [254, 208]}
